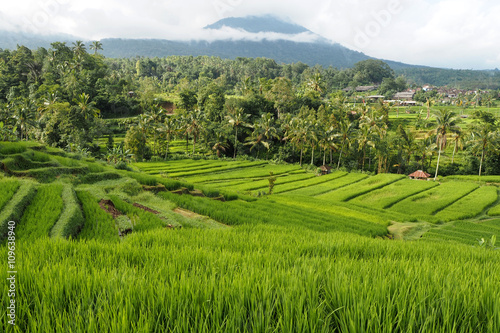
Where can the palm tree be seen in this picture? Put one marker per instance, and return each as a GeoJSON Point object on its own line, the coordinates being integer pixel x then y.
{"type": "Point", "coordinates": [86, 108]}
{"type": "Point", "coordinates": [326, 142]}
{"type": "Point", "coordinates": [364, 139]}
{"type": "Point", "coordinates": [458, 143]}
{"type": "Point", "coordinates": [483, 138]}
{"type": "Point", "coordinates": [315, 83]}
{"type": "Point", "coordinates": [168, 129]}
{"type": "Point", "coordinates": [24, 116]}
{"type": "Point", "coordinates": [345, 132]}
{"type": "Point", "coordinates": [297, 135]}
{"type": "Point", "coordinates": [236, 119]}
{"type": "Point", "coordinates": [96, 46]}
{"type": "Point", "coordinates": [220, 144]}
{"type": "Point", "coordinates": [194, 126]}
{"type": "Point", "coordinates": [264, 131]}
{"type": "Point", "coordinates": [78, 48]}
{"type": "Point", "coordinates": [426, 148]}
{"type": "Point", "coordinates": [312, 135]}
{"type": "Point", "coordinates": [446, 122]}
{"type": "Point", "coordinates": [266, 123]}
{"type": "Point", "coordinates": [154, 119]}
{"type": "Point", "coordinates": [429, 104]}
{"type": "Point", "coordinates": [407, 139]}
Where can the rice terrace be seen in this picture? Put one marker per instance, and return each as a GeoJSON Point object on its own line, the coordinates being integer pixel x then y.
{"type": "Point", "coordinates": [316, 255]}
{"type": "Point", "coordinates": [201, 194]}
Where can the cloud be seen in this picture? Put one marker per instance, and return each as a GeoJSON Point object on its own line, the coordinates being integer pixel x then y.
{"type": "Point", "coordinates": [445, 33]}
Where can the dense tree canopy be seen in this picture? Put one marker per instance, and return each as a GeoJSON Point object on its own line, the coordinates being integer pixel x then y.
{"type": "Point", "coordinates": [255, 107]}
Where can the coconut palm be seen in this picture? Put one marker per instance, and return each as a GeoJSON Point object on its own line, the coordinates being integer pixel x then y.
{"type": "Point", "coordinates": [194, 126]}
{"type": "Point", "coordinates": [154, 119]}
{"type": "Point", "coordinates": [297, 135]}
{"type": "Point", "coordinates": [446, 122]}
{"type": "Point", "coordinates": [236, 119]}
{"type": "Point", "coordinates": [168, 130]}
{"type": "Point", "coordinates": [78, 48]}
{"type": "Point", "coordinates": [364, 139]}
{"type": "Point", "coordinates": [483, 138]}
{"type": "Point", "coordinates": [220, 145]}
{"type": "Point", "coordinates": [24, 116]}
{"type": "Point", "coordinates": [429, 103]}
{"type": "Point", "coordinates": [458, 143]}
{"type": "Point", "coordinates": [264, 131]}
{"type": "Point", "coordinates": [96, 46]}
{"type": "Point", "coordinates": [345, 133]}
{"type": "Point", "coordinates": [86, 107]}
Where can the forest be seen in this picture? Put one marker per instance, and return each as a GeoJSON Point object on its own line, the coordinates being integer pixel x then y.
{"type": "Point", "coordinates": [70, 96]}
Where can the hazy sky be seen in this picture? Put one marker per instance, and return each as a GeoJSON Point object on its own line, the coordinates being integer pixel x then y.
{"type": "Point", "coordinates": [443, 33]}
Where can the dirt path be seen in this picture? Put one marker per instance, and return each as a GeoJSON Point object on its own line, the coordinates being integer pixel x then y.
{"type": "Point", "coordinates": [109, 207]}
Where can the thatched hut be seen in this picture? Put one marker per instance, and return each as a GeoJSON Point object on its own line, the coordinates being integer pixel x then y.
{"type": "Point", "coordinates": [325, 169]}
{"type": "Point", "coordinates": [419, 174]}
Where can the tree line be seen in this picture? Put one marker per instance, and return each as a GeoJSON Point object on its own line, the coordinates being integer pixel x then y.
{"type": "Point", "coordinates": [250, 107]}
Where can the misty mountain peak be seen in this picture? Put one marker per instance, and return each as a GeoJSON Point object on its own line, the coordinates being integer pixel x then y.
{"type": "Point", "coordinates": [256, 24]}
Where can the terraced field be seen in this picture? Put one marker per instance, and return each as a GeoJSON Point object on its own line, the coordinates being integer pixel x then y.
{"type": "Point", "coordinates": [383, 198]}
{"type": "Point", "coordinates": [227, 258]}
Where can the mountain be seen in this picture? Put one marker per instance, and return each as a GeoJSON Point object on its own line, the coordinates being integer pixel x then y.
{"type": "Point", "coordinates": [256, 24]}
{"type": "Point", "coordinates": [10, 40]}
{"type": "Point", "coordinates": [259, 36]}
{"type": "Point", "coordinates": [252, 36]}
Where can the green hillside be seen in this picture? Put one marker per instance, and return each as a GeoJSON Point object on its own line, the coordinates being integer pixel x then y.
{"type": "Point", "coordinates": [100, 249]}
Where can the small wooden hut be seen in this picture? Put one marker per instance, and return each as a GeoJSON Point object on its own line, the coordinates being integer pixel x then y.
{"type": "Point", "coordinates": [419, 174]}
{"type": "Point", "coordinates": [325, 169]}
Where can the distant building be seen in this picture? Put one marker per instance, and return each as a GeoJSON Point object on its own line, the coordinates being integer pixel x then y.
{"type": "Point", "coordinates": [325, 169]}
{"type": "Point", "coordinates": [365, 88]}
{"type": "Point", "coordinates": [375, 97]}
{"type": "Point", "coordinates": [404, 96]}
{"type": "Point", "coordinates": [419, 174]}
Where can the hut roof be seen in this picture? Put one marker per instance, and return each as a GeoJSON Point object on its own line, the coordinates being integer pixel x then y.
{"type": "Point", "coordinates": [325, 168]}
{"type": "Point", "coordinates": [419, 174]}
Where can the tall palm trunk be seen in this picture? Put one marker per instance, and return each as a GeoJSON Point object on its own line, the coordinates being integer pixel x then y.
{"type": "Point", "coordinates": [312, 156]}
{"type": "Point", "coordinates": [340, 156]}
{"type": "Point", "coordinates": [235, 141]}
{"type": "Point", "coordinates": [481, 162]}
{"type": "Point", "coordinates": [166, 153]}
{"type": "Point", "coordinates": [439, 158]}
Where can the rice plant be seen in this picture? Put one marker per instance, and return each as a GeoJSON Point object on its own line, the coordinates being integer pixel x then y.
{"type": "Point", "coordinates": [13, 210]}
{"type": "Point", "coordinates": [435, 199]}
{"type": "Point", "coordinates": [471, 205]}
{"type": "Point", "coordinates": [9, 187]}
{"type": "Point", "coordinates": [71, 220]}
{"type": "Point", "coordinates": [332, 185]}
{"type": "Point", "coordinates": [248, 279]}
{"type": "Point", "coordinates": [364, 186]}
{"type": "Point", "coordinates": [41, 215]}
{"type": "Point", "coordinates": [98, 223]}
{"type": "Point", "coordinates": [393, 193]}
